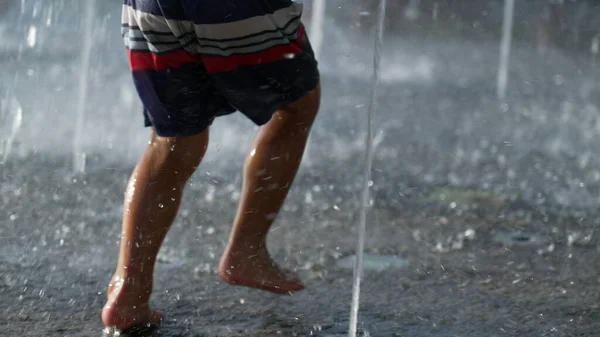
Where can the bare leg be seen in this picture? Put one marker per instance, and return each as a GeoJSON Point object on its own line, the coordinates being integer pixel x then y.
{"type": "Point", "coordinates": [269, 171]}
{"type": "Point", "coordinates": [151, 203]}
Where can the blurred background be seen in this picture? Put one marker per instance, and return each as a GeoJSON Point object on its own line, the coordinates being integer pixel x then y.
{"type": "Point", "coordinates": [483, 217]}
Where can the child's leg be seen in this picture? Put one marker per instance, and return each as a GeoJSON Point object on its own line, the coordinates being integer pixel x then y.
{"type": "Point", "coordinates": [151, 203]}
{"type": "Point", "coordinates": [269, 171]}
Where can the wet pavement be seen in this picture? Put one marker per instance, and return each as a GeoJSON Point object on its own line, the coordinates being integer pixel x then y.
{"type": "Point", "coordinates": [483, 220]}
{"type": "Point", "coordinates": [472, 263]}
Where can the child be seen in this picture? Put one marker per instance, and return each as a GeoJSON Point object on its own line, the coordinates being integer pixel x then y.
{"type": "Point", "coordinates": [194, 60]}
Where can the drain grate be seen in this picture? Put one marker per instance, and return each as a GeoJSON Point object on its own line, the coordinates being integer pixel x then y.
{"type": "Point", "coordinates": [524, 239]}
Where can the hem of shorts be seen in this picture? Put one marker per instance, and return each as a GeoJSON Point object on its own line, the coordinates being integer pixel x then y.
{"type": "Point", "coordinates": [185, 133]}
{"type": "Point", "coordinates": [283, 103]}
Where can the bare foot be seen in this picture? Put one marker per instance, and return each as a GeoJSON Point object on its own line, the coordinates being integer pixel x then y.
{"type": "Point", "coordinates": [257, 270]}
{"type": "Point", "coordinates": [125, 309]}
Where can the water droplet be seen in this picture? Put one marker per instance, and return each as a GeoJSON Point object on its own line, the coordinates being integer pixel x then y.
{"type": "Point", "coordinates": [559, 79]}
{"type": "Point", "coordinates": [32, 36]}
{"type": "Point", "coordinates": [470, 233]}
{"type": "Point", "coordinates": [161, 206]}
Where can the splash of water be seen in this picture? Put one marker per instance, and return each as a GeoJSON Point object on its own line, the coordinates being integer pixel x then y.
{"type": "Point", "coordinates": [317, 33]}
{"type": "Point", "coordinates": [316, 26]}
{"type": "Point", "coordinates": [11, 118]}
{"type": "Point", "coordinates": [412, 10]}
{"type": "Point", "coordinates": [362, 224]}
{"type": "Point", "coordinates": [505, 46]}
{"type": "Point", "coordinates": [86, 55]}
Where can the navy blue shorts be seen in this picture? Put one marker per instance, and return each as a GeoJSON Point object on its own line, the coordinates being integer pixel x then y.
{"type": "Point", "coordinates": [194, 60]}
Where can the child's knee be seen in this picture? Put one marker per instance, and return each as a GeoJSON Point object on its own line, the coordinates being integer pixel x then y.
{"type": "Point", "coordinates": [182, 154]}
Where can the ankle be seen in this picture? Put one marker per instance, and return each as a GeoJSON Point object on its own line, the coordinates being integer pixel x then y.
{"type": "Point", "coordinates": [130, 285]}
{"type": "Point", "coordinates": [137, 296]}
{"type": "Point", "coordinates": [245, 246]}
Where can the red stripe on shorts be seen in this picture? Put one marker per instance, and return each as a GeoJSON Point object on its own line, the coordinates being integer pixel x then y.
{"type": "Point", "coordinates": [213, 64]}
{"type": "Point", "coordinates": [222, 64]}
{"type": "Point", "coordinates": [148, 61]}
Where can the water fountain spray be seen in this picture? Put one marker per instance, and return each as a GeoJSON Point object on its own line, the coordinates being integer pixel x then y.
{"type": "Point", "coordinates": [505, 46]}
{"type": "Point", "coordinates": [86, 55]}
{"type": "Point", "coordinates": [362, 223]}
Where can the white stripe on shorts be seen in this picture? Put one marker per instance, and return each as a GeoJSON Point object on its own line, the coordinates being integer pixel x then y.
{"type": "Point", "coordinates": [147, 32]}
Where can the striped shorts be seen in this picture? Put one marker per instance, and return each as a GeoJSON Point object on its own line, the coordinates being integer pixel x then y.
{"type": "Point", "coordinates": [194, 60]}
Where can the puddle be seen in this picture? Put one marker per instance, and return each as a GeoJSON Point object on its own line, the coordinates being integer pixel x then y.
{"type": "Point", "coordinates": [523, 239]}
{"type": "Point", "coordinates": [374, 262]}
